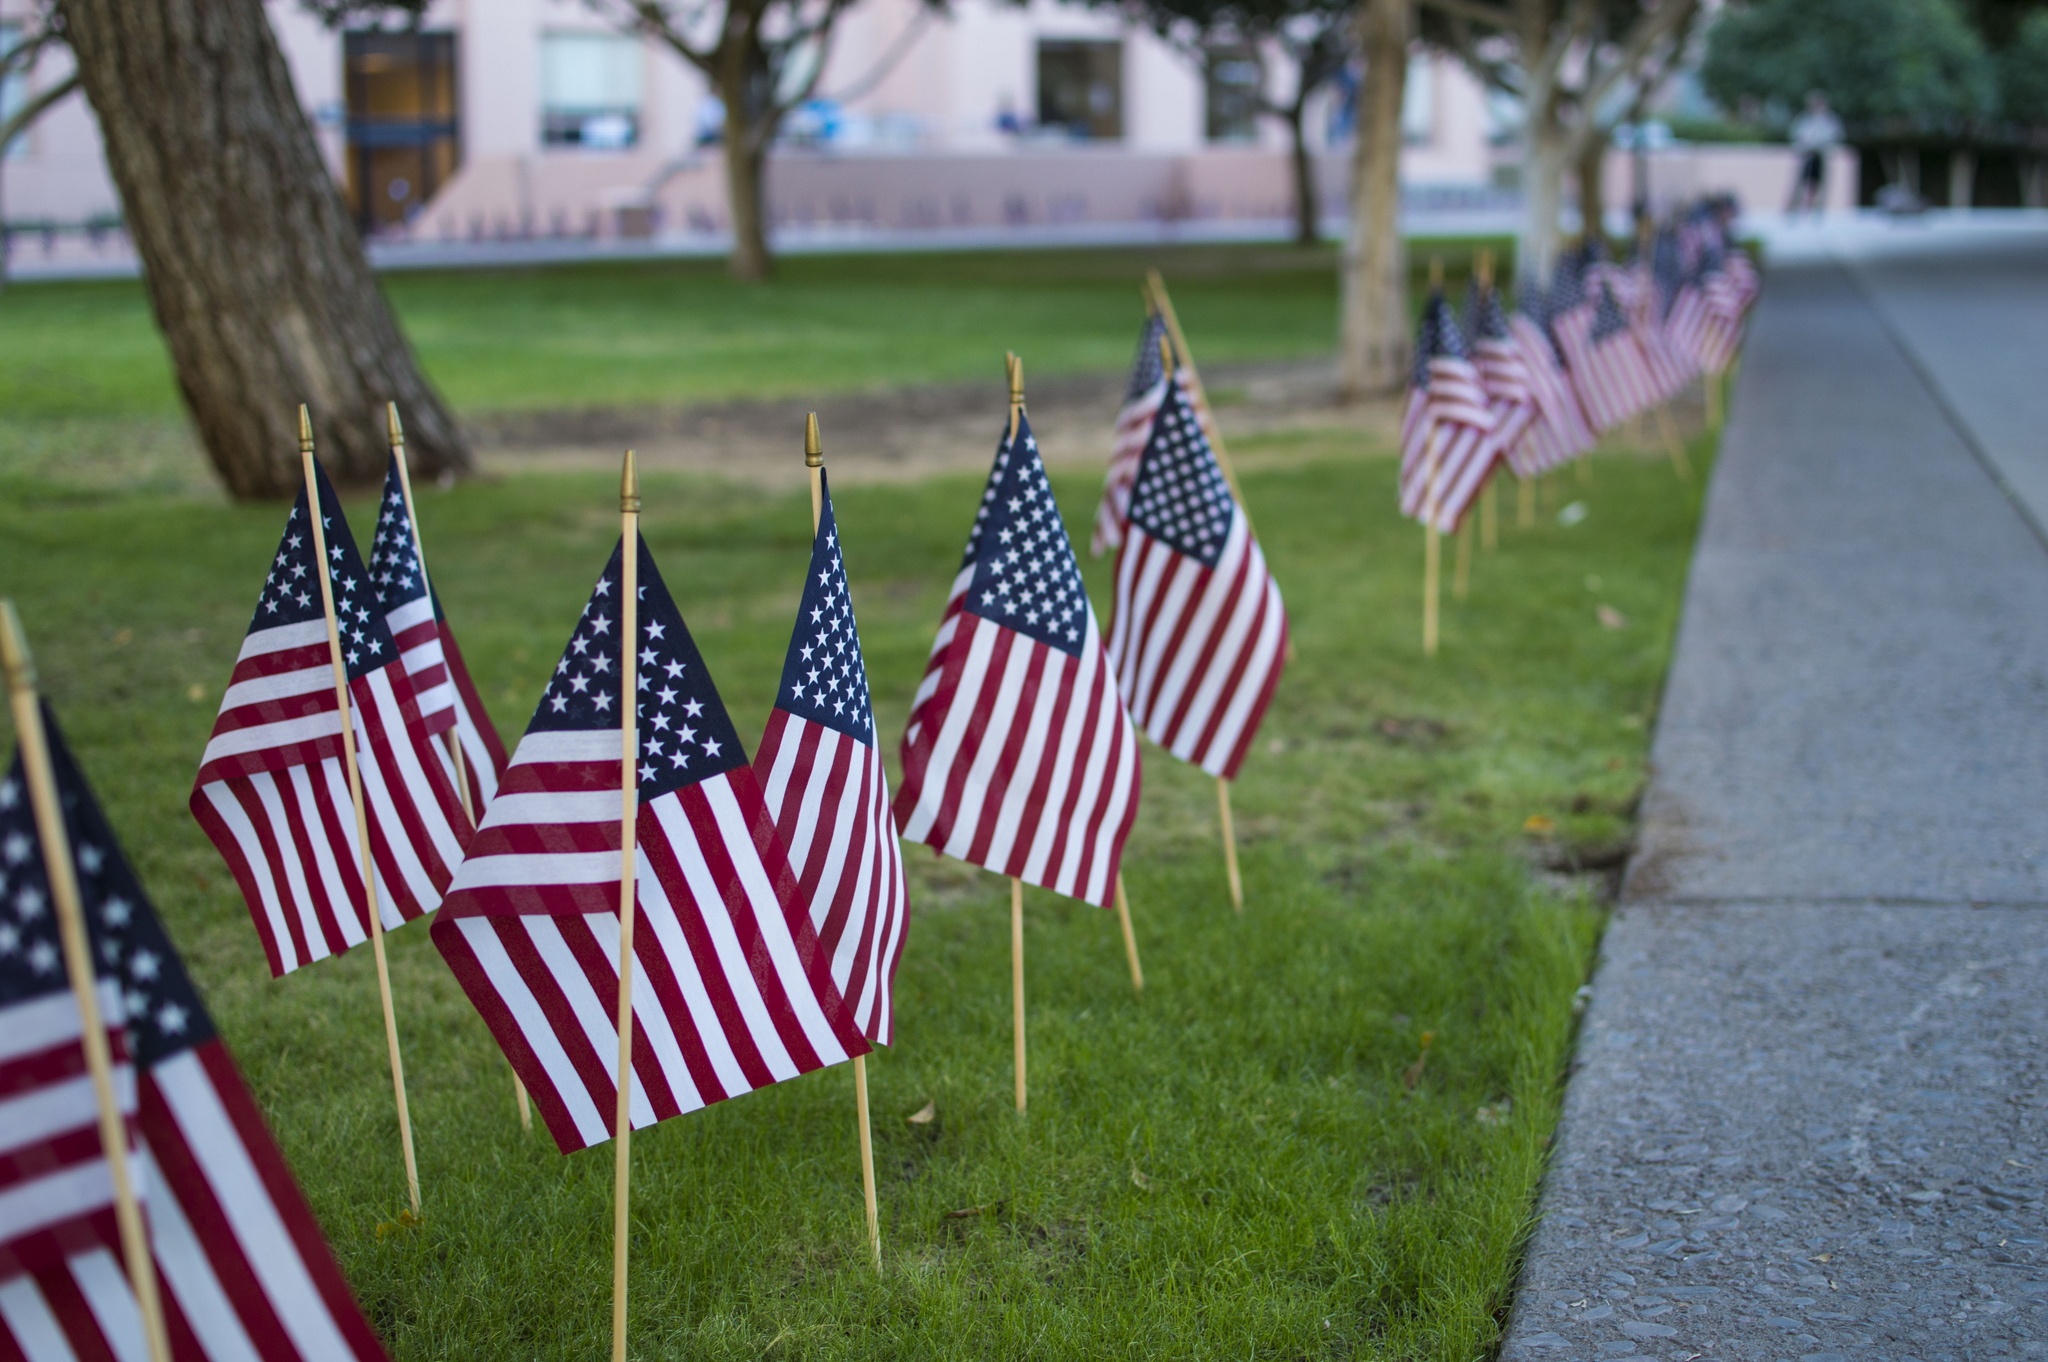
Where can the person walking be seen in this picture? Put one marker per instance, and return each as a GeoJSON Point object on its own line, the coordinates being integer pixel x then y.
{"type": "Point", "coordinates": [1813, 132]}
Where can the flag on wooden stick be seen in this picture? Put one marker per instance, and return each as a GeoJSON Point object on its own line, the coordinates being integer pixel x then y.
{"type": "Point", "coordinates": [1560, 431]}
{"type": "Point", "coordinates": [1602, 354]}
{"type": "Point", "coordinates": [731, 992]}
{"type": "Point", "coordinates": [821, 771]}
{"type": "Point", "coordinates": [448, 698]}
{"type": "Point", "coordinates": [1133, 427]}
{"type": "Point", "coordinates": [1020, 756]}
{"type": "Point", "coordinates": [1504, 373]}
{"type": "Point", "coordinates": [243, 1268]}
{"type": "Point", "coordinates": [1447, 449]}
{"type": "Point", "coordinates": [1198, 634]}
{"type": "Point", "coordinates": [272, 792]}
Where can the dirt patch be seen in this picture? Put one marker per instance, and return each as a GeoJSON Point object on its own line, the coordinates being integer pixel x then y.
{"type": "Point", "coordinates": [907, 433]}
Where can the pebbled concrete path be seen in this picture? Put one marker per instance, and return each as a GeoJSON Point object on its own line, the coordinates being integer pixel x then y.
{"type": "Point", "coordinates": [1809, 1113]}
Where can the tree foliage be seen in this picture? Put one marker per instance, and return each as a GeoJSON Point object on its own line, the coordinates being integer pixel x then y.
{"type": "Point", "coordinates": [2023, 74]}
{"type": "Point", "coordinates": [1886, 66]}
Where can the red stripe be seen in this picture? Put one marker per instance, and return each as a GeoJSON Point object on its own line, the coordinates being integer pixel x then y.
{"type": "Point", "coordinates": [74, 1315]}
{"type": "Point", "coordinates": [1211, 646]}
{"type": "Point", "coordinates": [1083, 748]}
{"type": "Point", "coordinates": [342, 845]}
{"type": "Point", "coordinates": [1016, 727]}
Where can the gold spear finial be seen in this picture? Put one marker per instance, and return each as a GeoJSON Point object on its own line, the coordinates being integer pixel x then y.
{"type": "Point", "coordinates": [814, 446]}
{"type": "Point", "coordinates": [629, 484]}
{"type": "Point", "coordinates": [305, 430]}
{"type": "Point", "coordinates": [393, 428]}
{"type": "Point", "coordinates": [1016, 367]}
{"type": "Point", "coordinates": [15, 662]}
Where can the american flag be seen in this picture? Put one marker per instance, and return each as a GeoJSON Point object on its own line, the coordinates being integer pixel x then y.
{"type": "Point", "coordinates": [1670, 366]}
{"type": "Point", "coordinates": [1560, 431]}
{"type": "Point", "coordinates": [821, 772]}
{"type": "Point", "coordinates": [1198, 634]}
{"type": "Point", "coordinates": [1688, 324]}
{"type": "Point", "coordinates": [272, 791]}
{"type": "Point", "coordinates": [440, 678]}
{"type": "Point", "coordinates": [1446, 433]}
{"type": "Point", "coordinates": [1020, 756]}
{"type": "Point", "coordinates": [1133, 425]}
{"type": "Point", "coordinates": [730, 989]}
{"type": "Point", "coordinates": [1601, 353]}
{"type": "Point", "coordinates": [1504, 373]}
{"type": "Point", "coordinates": [244, 1270]}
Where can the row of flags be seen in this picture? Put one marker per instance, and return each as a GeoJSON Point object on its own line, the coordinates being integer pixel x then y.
{"type": "Point", "coordinates": [1602, 343]}
{"type": "Point", "coordinates": [769, 893]}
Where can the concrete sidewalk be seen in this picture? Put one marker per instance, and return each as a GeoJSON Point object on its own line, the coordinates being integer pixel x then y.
{"type": "Point", "coordinates": [1808, 1117]}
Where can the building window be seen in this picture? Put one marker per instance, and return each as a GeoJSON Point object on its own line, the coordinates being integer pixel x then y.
{"type": "Point", "coordinates": [1231, 81]}
{"type": "Point", "coordinates": [590, 90]}
{"type": "Point", "coordinates": [1081, 88]}
{"type": "Point", "coordinates": [1418, 103]}
{"type": "Point", "coordinates": [403, 137]}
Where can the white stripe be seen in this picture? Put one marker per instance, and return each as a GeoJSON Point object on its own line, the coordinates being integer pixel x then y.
{"type": "Point", "coordinates": [538, 868]}
{"type": "Point", "coordinates": [999, 717]}
{"type": "Point", "coordinates": [43, 1112]}
{"type": "Point", "coordinates": [263, 737]}
{"type": "Point", "coordinates": [592, 1014]}
{"type": "Point", "coordinates": [1067, 759]}
{"type": "Point", "coordinates": [604, 929]}
{"type": "Point", "coordinates": [341, 863]}
{"type": "Point", "coordinates": [396, 761]}
{"type": "Point", "coordinates": [244, 834]}
{"type": "Point", "coordinates": [569, 744]}
{"type": "Point", "coordinates": [31, 1322]}
{"type": "Point", "coordinates": [259, 642]}
{"type": "Point", "coordinates": [1240, 556]}
{"type": "Point", "coordinates": [701, 1016]}
{"type": "Point", "coordinates": [952, 729]}
{"type": "Point", "coordinates": [419, 610]}
{"type": "Point", "coordinates": [1038, 733]}
{"type": "Point", "coordinates": [513, 990]}
{"type": "Point", "coordinates": [39, 1024]}
{"type": "Point", "coordinates": [1200, 625]}
{"type": "Point", "coordinates": [280, 686]}
{"type": "Point", "coordinates": [552, 807]}
{"type": "Point", "coordinates": [261, 1236]}
{"type": "Point", "coordinates": [1257, 668]}
{"type": "Point", "coordinates": [111, 1299]}
{"type": "Point", "coordinates": [188, 1275]}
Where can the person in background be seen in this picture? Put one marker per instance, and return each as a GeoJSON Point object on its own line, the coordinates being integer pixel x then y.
{"type": "Point", "coordinates": [1813, 132]}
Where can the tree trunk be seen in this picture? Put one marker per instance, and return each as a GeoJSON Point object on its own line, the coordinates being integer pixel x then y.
{"type": "Point", "coordinates": [1375, 349]}
{"type": "Point", "coordinates": [1962, 177]}
{"type": "Point", "coordinates": [1543, 196]}
{"type": "Point", "coordinates": [1593, 187]}
{"type": "Point", "coordinates": [740, 85]}
{"type": "Point", "coordinates": [1307, 213]}
{"type": "Point", "coordinates": [255, 273]}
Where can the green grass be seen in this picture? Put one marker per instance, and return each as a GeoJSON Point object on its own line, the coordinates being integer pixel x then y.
{"type": "Point", "coordinates": [1228, 1166]}
{"type": "Point", "coordinates": [671, 332]}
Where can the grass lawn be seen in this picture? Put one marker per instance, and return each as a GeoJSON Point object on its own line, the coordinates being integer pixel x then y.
{"type": "Point", "coordinates": [1230, 1165]}
{"type": "Point", "coordinates": [669, 332]}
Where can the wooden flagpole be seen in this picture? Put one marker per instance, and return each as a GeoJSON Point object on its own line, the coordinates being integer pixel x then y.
{"type": "Point", "coordinates": [1673, 445]}
{"type": "Point", "coordinates": [1015, 368]}
{"type": "Point", "coordinates": [63, 876]}
{"type": "Point", "coordinates": [629, 817]}
{"type": "Point", "coordinates": [355, 792]}
{"type": "Point", "coordinates": [451, 739]}
{"type": "Point", "coordinates": [1229, 844]}
{"type": "Point", "coordinates": [814, 461]}
{"type": "Point", "coordinates": [1123, 916]}
{"type": "Point", "coordinates": [1432, 551]}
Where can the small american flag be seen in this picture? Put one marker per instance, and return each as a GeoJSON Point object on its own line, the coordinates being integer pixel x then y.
{"type": "Point", "coordinates": [730, 991]}
{"type": "Point", "coordinates": [1198, 635]}
{"type": "Point", "coordinates": [244, 1270]}
{"type": "Point", "coordinates": [1504, 373]}
{"type": "Point", "coordinates": [272, 792]}
{"type": "Point", "coordinates": [1133, 425]}
{"type": "Point", "coordinates": [1446, 433]}
{"type": "Point", "coordinates": [1020, 756]}
{"type": "Point", "coordinates": [821, 771]}
{"type": "Point", "coordinates": [1670, 366]}
{"type": "Point", "coordinates": [447, 696]}
{"type": "Point", "coordinates": [1605, 360]}
{"type": "Point", "coordinates": [1560, 431]}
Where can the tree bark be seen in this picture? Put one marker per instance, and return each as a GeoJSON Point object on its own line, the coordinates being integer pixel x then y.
{"type": "Point", "coordinates": [742, 84]}
{"type": "Point", "coordinates": [1307, 213]}
{"type": "Point", "coordinates": [254, 271]}
{"type": "Point", "coordinates": [1542, 196]}
{"type": "Point", "coordinates": [1375, 347]}
{"type": "Point", "coordinates": [1592, 178]}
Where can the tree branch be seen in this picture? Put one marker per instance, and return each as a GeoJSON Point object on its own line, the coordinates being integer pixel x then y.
{"type": "Point", "coordinates": [37, 105]}
{"type": "Point", "coordinates": [1474, 12]}
{"type": "Point", "coordinates": [1649, 30]}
